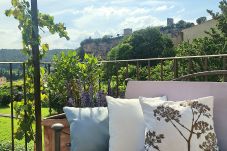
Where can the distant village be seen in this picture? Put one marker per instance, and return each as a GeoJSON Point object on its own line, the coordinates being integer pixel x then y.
{"type": "Point", "coordinates": [100, 47]}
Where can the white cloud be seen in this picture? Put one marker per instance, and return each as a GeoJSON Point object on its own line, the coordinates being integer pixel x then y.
{"type": "Point", "coordinates": [65, 12]}
{"type": "Point", "coordinates": [141, 22]}
{"type": "Point", "coordinates": [161, 8]}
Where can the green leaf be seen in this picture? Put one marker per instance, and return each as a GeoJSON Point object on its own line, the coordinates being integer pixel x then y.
{"type": "Point", "coordinates": [14, 2]}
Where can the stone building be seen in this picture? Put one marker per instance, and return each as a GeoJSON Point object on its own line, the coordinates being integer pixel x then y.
{"type": "Point", "coordinates": [188, 34]}
{"type": "Point", "coordinates": [170, 22]}
{"type": "Point", "coordinates": [127, 31]}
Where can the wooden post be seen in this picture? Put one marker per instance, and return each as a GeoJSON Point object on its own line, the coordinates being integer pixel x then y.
{"type": "Point", "coordinates": [36, 64]}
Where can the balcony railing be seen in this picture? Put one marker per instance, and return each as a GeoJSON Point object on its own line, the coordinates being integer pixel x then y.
{"type": "Point", "coordinates": [139, 64]}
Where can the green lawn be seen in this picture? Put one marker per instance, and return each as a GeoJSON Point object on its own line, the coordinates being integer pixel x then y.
{"type": "Point", "coordinates": [5, 131]}
{"type": "Point", "coordinates": [7, 110]}
{"type": "Point", "coordinates": [5, 126]}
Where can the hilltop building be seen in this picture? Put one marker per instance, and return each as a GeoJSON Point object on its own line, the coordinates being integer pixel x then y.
{"type": "Point", "coordinates": [127, 31]}
{"type": "Point", "coordinates": [170, 22]}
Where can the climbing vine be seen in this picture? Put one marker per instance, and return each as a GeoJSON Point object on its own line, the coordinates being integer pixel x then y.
{"type": "Point", "coordinates": [21, 11]}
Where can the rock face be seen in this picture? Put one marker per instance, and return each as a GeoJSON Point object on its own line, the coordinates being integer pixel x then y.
{"type": "Point", "coordinates": [100, 48]}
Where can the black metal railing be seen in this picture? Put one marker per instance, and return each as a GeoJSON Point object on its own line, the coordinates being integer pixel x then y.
{"type": "Point", "coordinates": [139, 64]}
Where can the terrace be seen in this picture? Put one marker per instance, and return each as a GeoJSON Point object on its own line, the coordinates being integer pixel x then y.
{"type": "Point", "coordinates": [44, 88]}
{"type": "Point", "coordinates": [116, 86]}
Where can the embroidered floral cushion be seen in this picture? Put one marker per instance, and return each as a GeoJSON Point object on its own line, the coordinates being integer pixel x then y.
{"type": "Point", "coordinates": [179, 126]}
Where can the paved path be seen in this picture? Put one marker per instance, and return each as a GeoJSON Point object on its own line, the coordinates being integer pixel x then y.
{"type": "Point", "coordinates": [7, 115]}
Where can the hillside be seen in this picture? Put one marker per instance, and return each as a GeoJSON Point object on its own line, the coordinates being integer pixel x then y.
{"type": "Point", "coordinates": [13, 55]}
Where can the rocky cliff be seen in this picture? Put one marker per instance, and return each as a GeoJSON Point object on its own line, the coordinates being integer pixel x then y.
{"type": "Point", "coordinates": [100, 47]}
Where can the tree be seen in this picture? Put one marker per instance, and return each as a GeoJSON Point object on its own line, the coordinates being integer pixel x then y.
{"type": "Point", "coordinates": [144, 43]}
{"type": "Point", "coordinates": [183, 24]}
{"type": "Point", "coordinates": [222, 23]}
{"type": "Point", "coordinates": [201, 20]}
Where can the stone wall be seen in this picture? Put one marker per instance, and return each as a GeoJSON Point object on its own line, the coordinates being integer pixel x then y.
{"type": "Point", "coordinates": [198, 31]}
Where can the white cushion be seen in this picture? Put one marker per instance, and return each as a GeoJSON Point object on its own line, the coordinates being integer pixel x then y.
{"type": "Point", "coordinates": [169, 125]}
{"type": "Point", "coordinates": [126, 124]}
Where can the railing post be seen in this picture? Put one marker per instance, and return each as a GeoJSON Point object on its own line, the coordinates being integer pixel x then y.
{"type": "Point", "coordinates": [109, 88]}
{"type": "Point", "coordinates": [117, 80]}
{"type": "Point", "coordinates": [57, 135]}
{"type": "Point", "coordinates": [50, 96]}
{"type": "Point", "coordinates": [36, 64]}
{"type": "Point", "coordinates": [161, 70]}
{"type": "Point", "coordinates": [99, 82]}
{"type": "Point", "coordinates": [189, 65]}
{"type": "Point", "coordinates": [206, 67]}
{"type": "Point", "coordinates": [25, 103]}
{"type": "Point", "coordinates": [225, 67]}
{"type": "Point", "coordinates": [11, 104]}
{"type": "Point", "coordinates": [149, 70]}
{"type": "Point", "coordinates": [126, 75]}
{"type": "Point", "coordinates": [137, 70]}
{"type": "Point", "coordinates": [175, 67]}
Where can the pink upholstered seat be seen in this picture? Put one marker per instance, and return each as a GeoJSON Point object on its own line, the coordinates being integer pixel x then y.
{"type": "Point", "coordinates": [178, 91]}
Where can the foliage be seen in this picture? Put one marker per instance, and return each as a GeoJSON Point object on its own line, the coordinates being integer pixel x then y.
{"type": "Point", "coordinates": [5, 97]}
{"type": "Point", "coordinates": [7, 146]}
{"type": "Point", "coordinates": [20, 10]}
{"type": "Point", "coordinates": [105, 38]}
{"type": "Point", "coordinates": [222, 24]}
{"type": "Point", "coordinates": [201, 20]}
{"type": "Point", "coordinates": [215, 42]}
{"type": "Point", "coordinates": [183, 24]}
{"type": "Point", "coordinates": [73, 81]}
{"type": "Point", "coordinates": [144, 43]}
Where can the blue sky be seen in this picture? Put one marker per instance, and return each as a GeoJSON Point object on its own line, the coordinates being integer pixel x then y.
{"type": "Point", "coordinates": [96, 18]}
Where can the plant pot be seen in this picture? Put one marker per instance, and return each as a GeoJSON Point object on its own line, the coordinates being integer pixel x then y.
{"type": "Point", "coordinates": [49, 135]}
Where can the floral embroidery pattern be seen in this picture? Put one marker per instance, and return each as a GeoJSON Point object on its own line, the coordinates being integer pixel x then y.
{"type": "Point", "coordinates": [197, 127]}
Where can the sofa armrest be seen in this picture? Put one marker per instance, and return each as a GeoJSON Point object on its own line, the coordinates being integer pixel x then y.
{"type": "Point", "coordinates": [57, 132]}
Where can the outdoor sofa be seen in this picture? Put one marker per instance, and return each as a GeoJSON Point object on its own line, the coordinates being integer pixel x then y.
{"type": "Point", "coordinates": [178, 90]}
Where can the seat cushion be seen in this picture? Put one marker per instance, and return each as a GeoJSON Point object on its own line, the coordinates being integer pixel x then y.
{"type": "Point", "coordinates": [89, 128]}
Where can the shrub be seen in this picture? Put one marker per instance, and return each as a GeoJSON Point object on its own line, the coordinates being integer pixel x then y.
{"type": "Point", "coordinates": [74, 83]}
{"type": "Point", "coordinates": [7, 146]}
{"type": "Point", "coordinates": [5, 97]}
